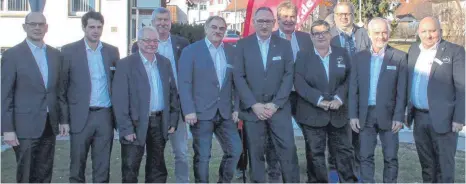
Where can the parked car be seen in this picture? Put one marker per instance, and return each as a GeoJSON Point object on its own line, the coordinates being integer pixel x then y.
{"type": "Point", "coordinates": [231, 39]}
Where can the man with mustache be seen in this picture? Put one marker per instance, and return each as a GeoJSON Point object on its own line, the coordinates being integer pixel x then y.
{"type": "Point", "coordinates": [86, 77]}
{"type": "Point", "coordinates": [436, 100]}
{"type": "Point", "coordinates": [321, 81]}
{"type": "Point", "coordinates": [354, 39]}
{"type": "Point", "coordinates": [264, 78]}
{"type": "Point", "coordinates": [377, 104]}
{"type": "Point", "coordinates": [146, 105]}
{"type": "Point", "coordinates": [286, 18]}
{"type": "Point", "coordinates": [30, 110]}
{"type": "Point", "coordinates": [206, 93]}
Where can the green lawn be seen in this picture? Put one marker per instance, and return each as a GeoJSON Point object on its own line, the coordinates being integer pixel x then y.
{"type": "Point", "coordinates": [409, 167]}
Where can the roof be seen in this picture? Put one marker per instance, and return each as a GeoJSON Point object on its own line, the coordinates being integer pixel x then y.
{"type": "Point", "coordinates": [416, 8]}
{"type": "Point", "coordinates": [240, 5]}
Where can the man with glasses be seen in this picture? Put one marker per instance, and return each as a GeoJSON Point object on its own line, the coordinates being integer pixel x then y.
{"type": "Point", "coordinates": [206, 91]}
{"type": "Point", "coordinates": [354, 39]}
{"type": "Point", "coordinates": [264, 78]}
{"type": "Point", "coordinates": [321, 81]}
{"type": "Point", "coordinates": [86, 77]}
{"type": "Point", "coordinates": [146, 105]}
{"type": "Point", "coordinates": [30, 111]}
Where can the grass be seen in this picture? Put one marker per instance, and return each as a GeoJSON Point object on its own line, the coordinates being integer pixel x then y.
{"type": "Point", "coordinates": [409, 166]}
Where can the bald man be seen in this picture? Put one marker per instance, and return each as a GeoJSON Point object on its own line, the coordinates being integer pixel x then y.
{"type": "Point", "coordinates": [30, 113]}
{"type": "Point", "coordinates": [436, 100]}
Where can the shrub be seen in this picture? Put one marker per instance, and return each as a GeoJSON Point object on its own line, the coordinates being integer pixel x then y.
{"type": "Point", "coordinates": [191, 32]}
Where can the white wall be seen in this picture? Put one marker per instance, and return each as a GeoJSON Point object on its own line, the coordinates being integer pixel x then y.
{"type": "Point", "coordinates": [182, 10]}
{"type": "Point", "coordinates": [64, 29]}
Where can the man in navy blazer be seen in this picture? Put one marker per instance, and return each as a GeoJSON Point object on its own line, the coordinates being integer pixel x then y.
{"type": "Point", "coordinates": [264, 78]}
{"type": "Point", "coordinates": [377, 103]}
{"type": "Point", "coordinates": [206, 88]}
{"type": "Point", "coordinates": [436, 100]}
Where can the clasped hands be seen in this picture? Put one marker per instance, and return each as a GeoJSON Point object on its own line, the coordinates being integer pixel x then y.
{"type": "Point", "coordinates": [326, 105]}
{"type": "Point", "coordinates": [264, 111]}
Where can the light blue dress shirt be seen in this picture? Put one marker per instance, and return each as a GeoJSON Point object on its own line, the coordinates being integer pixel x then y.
{"type": "Point", "coordinates": [100, 96]}
{"type": "Point", "coordinates": [294, 42]}
{"type": "Point", "coordinates": [264, 48]}
{"type": "Point", "coordinates": [166, 49]}
{"type": "Point", "coordinates": [421, 77]}
{"type": "Point", "coordinates": [376, 64]}
{"type": "Point", "coordinates": [40, 55]}
{"type": "Point", "coordinates": [156, 92]}
{"type": "Point", "coordinates": [219, 59]}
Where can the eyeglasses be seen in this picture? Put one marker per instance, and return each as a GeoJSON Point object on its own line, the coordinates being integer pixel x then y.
{"type": "Point", "coordinates": [34, 24]}
{"type": "Point", "coordinates": [148, 41]}
{"type": "Point", "coordinates": [343, 14]}
{"type": "Point", "coordinates": [320, 34]}
{"type": "Point", "coordinates": [265, 21]}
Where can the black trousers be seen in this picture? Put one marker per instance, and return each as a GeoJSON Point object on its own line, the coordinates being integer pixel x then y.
{"type": "Point", "coordinates": [339, 144]}
{"type": "Point", "coordinates": [156, 170]}
{"type": "Point", "coordinates": [34, 157]}
{"type": "Point", "coordinates": [436, 151]}
{"type": "Point", "coordinates": [368, 142]}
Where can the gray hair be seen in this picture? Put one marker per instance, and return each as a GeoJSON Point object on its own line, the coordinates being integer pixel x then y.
{"type": "Point", "coordinates": [144, 29]}
{"type": "Point", "coordinates": [345, 3]}
{"type": "Point", "coordinates": [379, 19]}
{"type": "Point", "coordinates": [211, 18]}
{"type": "Point", "coordinates": [160, 10]}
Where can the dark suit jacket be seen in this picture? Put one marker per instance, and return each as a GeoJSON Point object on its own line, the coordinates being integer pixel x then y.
{"type": "Point", "coordinates": [256, 85]}
{"type": "Point", "coordinates": [25, 98]}
{"type": "Point", "coordinates": [445, 91]}
{"type": "Point", "coordinates": [199, 87]}
{"type": "Point", "coordinates": [311, 82]}
{"type": "Point", "coordinates": [131, 98]}
{"type": "Point", "coordinates": [303, 38]}
{"type": "Point", "coordinates": [75, 81]}
{"type": "Point", "coordinates": [391, 87]}
{"type": "Point", "coordinates": [362, 39]}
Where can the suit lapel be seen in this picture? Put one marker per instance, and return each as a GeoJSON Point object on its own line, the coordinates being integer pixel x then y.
{"type": "Point", "coordinates": [386, 59]}
{"type": "Point", "coordinates": [438, 55]}
{"type": "Point", "coordinates": [320, 67]}
{"type": "Point", "coordinates": [272, 50]}
{"type": "Point", "coordinates": [175, 48]}
{"type": "Point", "coordinates": [227, 50]}
{"type": "Point", "coordinates": [106, 62]}
{"type": "Point", "coordinates": [366, 70]}
{"type": "Point", "coordinates": [209, 60]}
{"type": "Point", "coordinates": [164, 77]}
{"type": "Point", "coordinates": [141, 70]}
{"type": "Point", "coordinates": [254, 48]}
{"type": "Point", "coordinates": [332, 70]}
{"type": "Point", "coordinates": [30, 58]}
{"type": "Point", "coordinates": [83, 62]}
{"type": "Point", "coordinates": [50, 66]}
{"type": "Point", "coordinates": [412, 64]}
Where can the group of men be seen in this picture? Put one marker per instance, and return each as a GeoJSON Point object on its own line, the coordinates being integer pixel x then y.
{"type": "Point", "coordinates": [343, 85]}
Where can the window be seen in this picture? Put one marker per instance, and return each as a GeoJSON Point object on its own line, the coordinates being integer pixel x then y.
{"type": "Point", "coordinates": [14, 5]}
{"type": "Point", "coordinates": [193, 7]}
{"type": "Point", "coordinates": [203, 7]}
{"type": "Point", "coordinates": [80, 7]}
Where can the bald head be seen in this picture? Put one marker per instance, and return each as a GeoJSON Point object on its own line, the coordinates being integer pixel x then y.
{"type": "Point", "coordinates": [35, 26]}
{"type": "Point", "coordinates": [429, 31]}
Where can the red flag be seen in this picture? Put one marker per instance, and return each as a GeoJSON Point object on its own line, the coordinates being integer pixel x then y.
{"type": "Point", "coordinates": [305, 7]}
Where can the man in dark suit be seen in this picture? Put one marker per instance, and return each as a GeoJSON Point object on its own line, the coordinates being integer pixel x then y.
{"type": "Point", "coordinates": [377, 103]}
{"type": "Point", "coordinates": [264, 77]}
{"type": "Point", "coordinates": [436, 100]}
{"type": "Point", "coordinates": [30, 111]}
{"type": "Point", "coordinates": [286, 18]}
{"type": "Point", "coordinates": [146, 105]}
{"type": "Point", "coordinates": [321, 81]}
{"type": "Point", "coordinates": [170, 46]}
{"type": "Point", "coordinates": [206, 91]}
{"type": "Point", "coordinates": [85, 91]}
{"type": "Point", "coordinates": [354, 39]}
